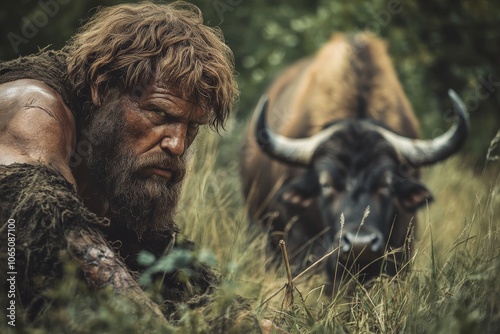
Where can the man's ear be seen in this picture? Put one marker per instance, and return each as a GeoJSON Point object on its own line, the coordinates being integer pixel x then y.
{"type": "Point", "coordinates": [95, 96]}
{"type": "Point", "coordinates": [412, 195]}
{"type": "Point", "coordinates": [300, 191]}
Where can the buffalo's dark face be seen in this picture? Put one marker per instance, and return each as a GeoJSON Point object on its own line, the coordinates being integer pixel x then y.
{"type": "Point", "coordinates": [359, 185]}
{"type": "Point", "coordinates": [361, 189]}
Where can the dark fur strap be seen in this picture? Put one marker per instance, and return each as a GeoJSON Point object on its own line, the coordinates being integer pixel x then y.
{"type": "Point", "coordinates": [45, 207]}
{"type": "Point", "coordinates": [48, 66]}
{"type": "Point", "coordinates": [53, 226]}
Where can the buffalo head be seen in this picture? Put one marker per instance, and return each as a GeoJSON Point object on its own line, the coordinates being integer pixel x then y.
{"type": "Point", "coordinates": [363, 182]}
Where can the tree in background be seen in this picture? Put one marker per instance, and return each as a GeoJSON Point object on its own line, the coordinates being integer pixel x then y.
{"type": "Point", "coordinates": [435, 45]}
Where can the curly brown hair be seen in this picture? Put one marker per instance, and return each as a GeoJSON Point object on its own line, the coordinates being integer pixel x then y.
{"type": "Point", "coordinates": [127, 46]}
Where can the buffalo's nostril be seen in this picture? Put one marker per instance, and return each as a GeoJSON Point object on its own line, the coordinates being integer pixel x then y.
{"type": "Point", "coordinates": [346, 243]}
{"type": "Point", "coordinates": [377, 243]}
{"type": "Point", "coordinates": [372, 242]}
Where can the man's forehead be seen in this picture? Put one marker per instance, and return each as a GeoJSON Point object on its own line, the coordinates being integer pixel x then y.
{"type": "Point", "coordinates": [165, 90]}
{"type": "Point", "coordinates": [162, 87]}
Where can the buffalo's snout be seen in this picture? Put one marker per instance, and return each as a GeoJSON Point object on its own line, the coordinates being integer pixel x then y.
{"type": "Point", "coordinates": [360, 244]}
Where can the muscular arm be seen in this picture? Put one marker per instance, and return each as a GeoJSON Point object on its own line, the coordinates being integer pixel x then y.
{"type": "Point", "coordinates": [36, 127]}
{"type": "Point", "coordinates": [38, 191]}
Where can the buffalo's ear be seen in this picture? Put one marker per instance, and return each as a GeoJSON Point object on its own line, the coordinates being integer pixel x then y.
{"type": "Point", "coordinates": [300, 191]}
{"type": "Point", "coordinates": [412, 195]}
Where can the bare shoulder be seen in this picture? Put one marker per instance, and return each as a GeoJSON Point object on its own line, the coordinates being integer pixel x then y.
{"type": "Point", "coordinates": [36, 126]}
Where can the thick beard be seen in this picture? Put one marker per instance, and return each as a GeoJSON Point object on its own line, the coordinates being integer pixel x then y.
{"type": "Point", "coordinates": [145, 205]}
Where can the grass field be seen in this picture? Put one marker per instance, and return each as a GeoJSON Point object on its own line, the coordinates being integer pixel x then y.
{"type": "Point", "coordinates": [453, 287]}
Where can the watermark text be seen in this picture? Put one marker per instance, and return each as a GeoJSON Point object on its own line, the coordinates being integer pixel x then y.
{"type": "Point", "coordinates": [11, 272]}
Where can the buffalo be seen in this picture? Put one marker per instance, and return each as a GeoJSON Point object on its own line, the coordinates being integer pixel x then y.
{"type": "Point", "coordinates": [331, 160]}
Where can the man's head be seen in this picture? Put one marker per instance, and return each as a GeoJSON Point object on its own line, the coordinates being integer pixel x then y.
{"type": "Point", "coordinates": [149, 75]}
{"type": "Point", "coordinates": [130, 46]}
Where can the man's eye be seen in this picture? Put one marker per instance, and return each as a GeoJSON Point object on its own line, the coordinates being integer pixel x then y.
{"type": "Point", "coordinates": [160, 112]}
{"type": "Point", "coordinates": [193, 125]}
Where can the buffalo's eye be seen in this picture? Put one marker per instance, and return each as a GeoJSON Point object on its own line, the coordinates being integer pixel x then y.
{"type": "Point", "coordinates": [385, 183]}
{"type": "Point", "coordinates": [326, 187]}
{"type": "Point", "coordinates": [326, 183]}
{"type": "Point", "coordinates": [332, 182]}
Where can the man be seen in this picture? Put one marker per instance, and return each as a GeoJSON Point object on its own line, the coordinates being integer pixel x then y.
{"type": "Point", "coordinates": [94, 141]}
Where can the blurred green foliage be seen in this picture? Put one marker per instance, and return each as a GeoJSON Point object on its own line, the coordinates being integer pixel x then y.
{"type": "Point", "coordinates": [435, 45]}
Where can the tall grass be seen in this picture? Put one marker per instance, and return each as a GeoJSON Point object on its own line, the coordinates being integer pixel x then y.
{"type": "Point", "coordinates": [453, 286]}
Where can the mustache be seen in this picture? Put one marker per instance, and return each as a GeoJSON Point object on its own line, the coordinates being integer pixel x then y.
{"type": "Point", "coordinates": [174, 163]}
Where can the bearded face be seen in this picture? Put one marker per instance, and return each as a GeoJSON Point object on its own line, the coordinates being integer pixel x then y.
{"type": "Point", "coordinates": [118, 159]}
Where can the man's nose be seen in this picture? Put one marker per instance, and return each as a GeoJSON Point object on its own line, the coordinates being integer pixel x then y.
{"type": "Point", "coordinates": [174, 140]}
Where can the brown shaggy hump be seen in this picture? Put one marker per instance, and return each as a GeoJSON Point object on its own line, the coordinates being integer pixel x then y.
{"type": "Point", "coordinates": [366, 86]}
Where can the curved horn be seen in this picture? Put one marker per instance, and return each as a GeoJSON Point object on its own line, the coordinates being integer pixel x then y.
{"type": "Point", "coordinates": [296, 151]}
{"type": "Point", "coordinates": [426, 152]}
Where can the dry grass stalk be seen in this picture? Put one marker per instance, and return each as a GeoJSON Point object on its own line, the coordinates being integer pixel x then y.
{"type": "Point", "coordinates": [288, 300]}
